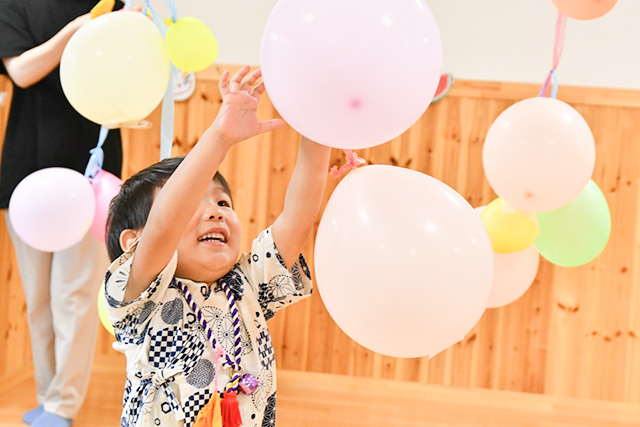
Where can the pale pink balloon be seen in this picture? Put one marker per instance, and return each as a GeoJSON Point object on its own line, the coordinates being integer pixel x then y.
{"type": "Point", "coordinates": [351, 74]}
{"type": "Point", "coordinates": [105, 187]}
{"type": "Point", "coordinates": [52, 209]}
{"type": "Point", "coordinates": [403, 263]}
{"type": "Point", "coordinates": [539, 154]}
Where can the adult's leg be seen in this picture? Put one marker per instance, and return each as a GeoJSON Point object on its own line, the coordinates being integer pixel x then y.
{"type": "Point", "coordinates": [35, 274]}
{"type": "Point", "coordinates": [76, 275]}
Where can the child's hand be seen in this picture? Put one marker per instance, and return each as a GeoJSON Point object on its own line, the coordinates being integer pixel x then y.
{"type": "Point", "coordinates": [237, 119]}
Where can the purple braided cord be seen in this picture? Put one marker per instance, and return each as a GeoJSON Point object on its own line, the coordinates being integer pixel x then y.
{"type": "Point", "coordinates": [235, 365]}
{"type": "Point", "coordinates": [236, 334]}
{"type": "Point", "coordinates": [198, 313]}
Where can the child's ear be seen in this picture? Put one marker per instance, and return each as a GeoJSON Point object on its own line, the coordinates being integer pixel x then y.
{"type": "Point", "coordinates": [127, 237]}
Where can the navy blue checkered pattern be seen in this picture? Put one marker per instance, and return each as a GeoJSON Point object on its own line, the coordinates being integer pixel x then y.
{"type": "Point", "coordinates": [265, 349]}
{"type": "Point", "coordinates": [194, 403]}
{"type": "Point", "coordinates": [164, 346]}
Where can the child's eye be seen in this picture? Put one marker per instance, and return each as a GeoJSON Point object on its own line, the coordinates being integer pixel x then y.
{"type": "Point", "coordinates": [223, 203]}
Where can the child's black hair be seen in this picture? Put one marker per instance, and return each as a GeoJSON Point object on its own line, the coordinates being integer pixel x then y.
{"type": "Point", "coordinates": [130, 208]}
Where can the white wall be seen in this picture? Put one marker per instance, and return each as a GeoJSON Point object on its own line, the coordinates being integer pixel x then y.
{"type": "Point", "coordinates": [497, 40]}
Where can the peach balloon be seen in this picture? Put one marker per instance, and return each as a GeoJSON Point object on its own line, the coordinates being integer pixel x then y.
{"type": "Point", "coordinates": [584, 9]}
{"type": "Point", "coordinates": [403, 263]}
{"type": "Point", "coordinates": [539, 154]}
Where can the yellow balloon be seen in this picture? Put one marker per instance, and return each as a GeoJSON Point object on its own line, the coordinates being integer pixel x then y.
{"type": "Point", "coordinates": [510, 230]}
{"type": "Point", "coordinates": [102, 311]}
{"type": "Point", "coordinates": [114, 69]}
{"type": "Point", "coordinates": [190, 44]}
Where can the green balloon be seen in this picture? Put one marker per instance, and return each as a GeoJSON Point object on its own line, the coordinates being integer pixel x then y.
{"type": "Point", "coordinates": [578, 232]}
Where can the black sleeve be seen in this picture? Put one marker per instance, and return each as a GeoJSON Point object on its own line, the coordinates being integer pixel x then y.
{"type": "Point", "coordinates": [14, 32]}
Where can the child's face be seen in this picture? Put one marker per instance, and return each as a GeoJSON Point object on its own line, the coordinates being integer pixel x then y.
{"type": "Point", "coordinates": [210, 245]}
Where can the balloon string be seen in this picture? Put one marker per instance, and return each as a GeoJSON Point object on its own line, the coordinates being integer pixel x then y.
{"type": "Point", "coordinates": [168, 112]}
{"type": "Point", "coordinates": [171, 5]}
{"type": "Point", "coordinates": [545, 86]}
{"type": "Point", "coordinates": [97, 155]}
{"type": "Point", "coordinates": [353, 161]}
{"type": "Point", "coordinates": [561, 25]}
{"type": "Point", "coordinates": [168, 107]}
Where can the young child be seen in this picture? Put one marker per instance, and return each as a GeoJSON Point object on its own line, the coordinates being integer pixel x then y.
{"type": "Point", "coordinates": [189, 316]}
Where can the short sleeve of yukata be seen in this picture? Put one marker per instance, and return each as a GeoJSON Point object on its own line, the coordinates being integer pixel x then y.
{"type": "Point", "coordinates": [275, 286]}
{"type": "Point", "coordinates": [130, 319]}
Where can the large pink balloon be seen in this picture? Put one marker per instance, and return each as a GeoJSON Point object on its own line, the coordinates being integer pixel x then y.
{"type": "Point", "coordinates": [403, 264]}
{"type": "Point", "coordinates": [105, 187]}
{"type": "Point", "coordinates": [52, 209]}
{"type": "Point", "coordinates": [539, 154]}
{"type": "Point", "coordinates": [351, 73]}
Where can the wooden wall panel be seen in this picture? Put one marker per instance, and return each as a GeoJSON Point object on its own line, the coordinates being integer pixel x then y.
{"type": "Point", "coordinates": [15, 347]}
{"type": "Point", "coordinates": [576, 332]}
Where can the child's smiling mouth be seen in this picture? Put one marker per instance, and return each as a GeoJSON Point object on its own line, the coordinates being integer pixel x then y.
{"type": "Point", "coordinates": [213, 237]}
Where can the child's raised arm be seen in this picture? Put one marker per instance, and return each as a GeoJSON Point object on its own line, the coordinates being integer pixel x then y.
{"type": "Point", "coordinates": [302, 201]}
{"type": "Point", "coordinates": [180, 197]}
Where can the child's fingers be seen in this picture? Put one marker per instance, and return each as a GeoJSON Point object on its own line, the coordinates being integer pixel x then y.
{"type": "Point", "coordinates": [223, 84]}
{"type": "Point", "coordinates": [251, 79]}
{"type": "Point", "coordinates": [236, 81]}
{"type": "Point", "coordinates": [269, 125]}
{"type": "Point", "coordinates": [257, 91]}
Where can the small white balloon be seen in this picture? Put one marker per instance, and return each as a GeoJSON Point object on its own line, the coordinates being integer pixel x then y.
{"type": "Point", "coordinates": [514, 273]}
{"type": "Point", "coordinates": [539, 154]}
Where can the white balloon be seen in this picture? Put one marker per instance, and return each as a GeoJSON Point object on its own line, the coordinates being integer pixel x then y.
{"type": "Point", "coordinates": [403, 263]}
{"type": "Point", "coordinates": [513, 275]}
{"type": "Point", "coordinates": [539, 154]}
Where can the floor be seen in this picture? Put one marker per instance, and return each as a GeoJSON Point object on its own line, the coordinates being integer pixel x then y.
{"type": "Point", "coordinates": [314, 400]}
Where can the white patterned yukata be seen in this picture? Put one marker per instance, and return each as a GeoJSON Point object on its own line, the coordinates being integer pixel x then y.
{"type": "Point", "coordinates": [170, 362]}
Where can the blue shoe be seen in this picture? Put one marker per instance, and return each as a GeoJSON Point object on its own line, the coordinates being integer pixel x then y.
{"type": "Point", "coordinates": [31, 415]}
{"type": "Point", "coordinates": [47, 419]}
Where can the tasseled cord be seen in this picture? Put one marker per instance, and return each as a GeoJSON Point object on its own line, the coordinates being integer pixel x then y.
{"type": "Point", "coordinates": [230, 410]}
{"type": "Point", "coordinates": [211, 414]}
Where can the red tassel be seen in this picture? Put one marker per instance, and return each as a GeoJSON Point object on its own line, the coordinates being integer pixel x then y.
{"type": "Point", "coordinates": [230, 411]}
